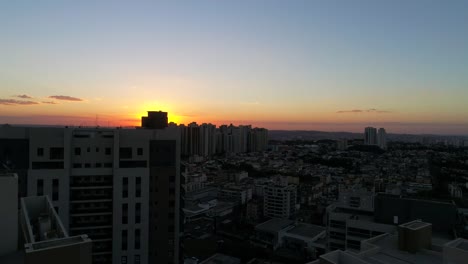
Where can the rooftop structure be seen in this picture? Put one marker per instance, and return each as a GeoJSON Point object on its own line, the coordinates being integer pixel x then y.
{"type": "Point", "coordinates": [46, 240]}
{"type": "Point", "coordinates": [221, 259]}
{"type": "Point", "coordinates": [276, 233]}
{"type": "Point", "coordinates": [412, 244]}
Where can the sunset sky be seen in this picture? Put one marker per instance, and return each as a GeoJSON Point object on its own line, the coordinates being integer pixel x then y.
{"type": "Point", "coordinates": [315, 65]}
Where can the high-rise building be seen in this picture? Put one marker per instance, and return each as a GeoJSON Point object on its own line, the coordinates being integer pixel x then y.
{"type": "Point", "coordinates": [118, 186]}
{"type": "Point", "coordinates": [382, 138]}
{"type": "Point", "coordinates": [154, 120]}
{"type": "Point", "coordinates": [205, 140]}
{"type": "Point", "coordinates": [370, 136]}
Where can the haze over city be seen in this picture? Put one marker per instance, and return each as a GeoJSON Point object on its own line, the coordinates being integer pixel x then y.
{"type": "Point", "coordinates": [309, 65]}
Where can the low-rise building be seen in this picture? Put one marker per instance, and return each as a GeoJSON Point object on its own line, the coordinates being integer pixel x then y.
{"type": "Point", "coordinates": [413, 243]}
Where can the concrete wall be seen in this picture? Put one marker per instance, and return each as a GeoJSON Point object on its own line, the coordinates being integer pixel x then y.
{"type": "Point", "coordinates": [8, 213]}
{"type": "Point", "coordinates": [72, 254]}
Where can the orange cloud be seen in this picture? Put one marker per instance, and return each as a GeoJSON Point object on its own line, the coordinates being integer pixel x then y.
{"type": "Point", "coordinates": [13, 102]}
{"type": "Point", "coordinates": [65, 98]}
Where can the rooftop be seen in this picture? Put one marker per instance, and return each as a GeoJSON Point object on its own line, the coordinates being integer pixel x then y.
{"type": "Point", "coordinates": [390, 253]}
{"type": "Point", "coordinates": [221, 259]}
{"type": "Point", "coordinates": [274, 225]}
{"type": "Point", "coordinates": [307, 230]}
{"type": "Point", "coordinates": [415, 225]}
{"type": "Point", "coordinates": [54, 243]}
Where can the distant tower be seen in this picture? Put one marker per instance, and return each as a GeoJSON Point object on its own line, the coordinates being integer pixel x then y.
{"type": "Point", "coordinates": [154, 120]}
{"type": "Point", "coordinates": [370, 136]}
{"type": "Point", "coordinates": [382, 138]}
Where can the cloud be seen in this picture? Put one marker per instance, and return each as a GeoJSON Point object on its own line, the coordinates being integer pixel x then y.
{"type": "Point", "coordinates": [372, 110]}
{"type": "Point", "coordinates": [23, 96]}
{"type": "Point", "coordinates": [65, 98]}
{"type": "Point", "coordinates": [49, 102]}
{"type": "Point", "coordinates": [16, 102]}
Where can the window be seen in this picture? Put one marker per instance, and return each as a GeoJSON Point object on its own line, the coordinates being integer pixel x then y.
{"type": "Point", "coordinates": [55, 190]}
{"type": "Point", "coordinates": [77, 165]}
{"type": "Point", "coordinates": [139, 151]}
{"type": "Point", "coordinates": [40, 152]}
{"type": "Point", "coordinates": [88, 149]}
{"type": "Point", "coordinates": [125, 153]}
{"type": "Point", "coordinates": [138, 187]}
{"type": "Point", "coordinates": [97, 149]}
{"type": "Point", "coordinates": [77, 151]}
{"type": "Point", "coordinates": [108, 151]}
{"type": "Point", "coordinates": [137, 259]}
{"type": "Point", "coordinates": [124, 239]}
{"type": "Point", "coordinates": [170, 228]}
{"type": "Point", "coordinates": [137, 238]}
{"type": "Point", "coordinates": [56, 209]}
{"type": "Point", "coordinates": [137, 213]}
{"type": "Point", "coordinates": [98, 165]}
{"type": "Point", "coordinates": [87, 165]}
{"type": "Point", "coordinates": [125, 213]}
{"type": "Point", "coordinates": [123, 260]}
{"type": "Point", "coordinates": [124, 187]}
{"type": "Point", "coordinates": [40, 187]}
{"type": "Point", "coordinates": [107, 165]}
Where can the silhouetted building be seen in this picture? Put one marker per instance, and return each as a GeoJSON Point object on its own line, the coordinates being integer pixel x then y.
{"type": "Point", "coordinates": [382, 138]}
{"type": "Point", "coordinates": [280, 200]}
{"type": "Point", "coordinates": [154, 120]}
{"type": "Point", "coordinates": [370, 136]}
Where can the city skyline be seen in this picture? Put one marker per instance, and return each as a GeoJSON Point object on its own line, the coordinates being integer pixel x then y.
{"type": "Point", "coordinates": [330, 66]}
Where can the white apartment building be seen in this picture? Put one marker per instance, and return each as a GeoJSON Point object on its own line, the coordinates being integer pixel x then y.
{"type": "Point", "coordinates": [118, 186]}
{"type": "Point", "coordinates": [351, 220]}
{"type": "Point", "coordinates": [235, 193]}
{"type": "Point", "coordinates": [280, 200]}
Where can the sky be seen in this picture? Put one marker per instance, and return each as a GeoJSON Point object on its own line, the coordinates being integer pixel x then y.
{"type": "Point", "coordinates": [294, 65]}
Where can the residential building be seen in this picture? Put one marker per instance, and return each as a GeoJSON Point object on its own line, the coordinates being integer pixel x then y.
{"type": "Point", "coordinates": [280, 200]}
{"type": "Point", "coordinates": [118, 186]}
{"type": "Point", "coordinates": [370, 136]}
{"type": "Point", "coordinates": [382, 138]}
{"type": "Point", "coordinates": [236, 193]}
{"type": "Point", "coordinates": [413, 243]}
{"type": "Point", "coordinates": [282, 233]}
{"type": "Point", "coordinates": [351, 220]}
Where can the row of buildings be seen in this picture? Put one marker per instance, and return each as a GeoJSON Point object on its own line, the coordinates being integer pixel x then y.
{"type": "Point", "coordinates": [206, 139]}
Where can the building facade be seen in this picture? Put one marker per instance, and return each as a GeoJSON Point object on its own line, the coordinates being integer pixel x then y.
{"type": "Point", "coordinates": [118, 186]}
{"type": "Point", "coordinates": [280, 200]}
